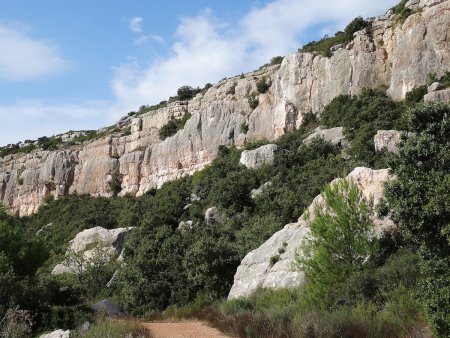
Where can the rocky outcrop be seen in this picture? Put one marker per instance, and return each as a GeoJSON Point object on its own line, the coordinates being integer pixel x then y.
{"type": "Point", "coordinates": [270, 265]}
{"type": "Point", "coordinates": [214, 215]}
{"type": "Point", "coordinates": [92, 245]}
{"type": "Point", "coordinates": [57, 334]}
{"type": "Point", "coordinates": [399, 56]}
{"type": "Point", "coordinates": [256, 158]}
{"type": "Point", "coordinates": [438, 96]}
{"type": "Point", "coordinates": [389, 140]}
{"type": "Point", "coordinates": [335, 136]}
{"type": "Point", "coordinates": [256, 192]}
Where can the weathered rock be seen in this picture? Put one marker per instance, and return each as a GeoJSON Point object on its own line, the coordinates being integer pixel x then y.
{"type": "Point", "coordinates": [397, 55]}
{"type": "Point", "coordinates": [108, 307]}
{"type": "Point", "coordinates": [434, 87]}
{"type": "Point", "coordinates": [256, 270]}
{"type": "Point", "coordinates": [214, 215]}
{"type": "Point", "coordinates": [438, 96]}
{"type": "Point", "coordinates": [258, 157]}
{"type": "Point", "coordinates": [334, 135]}
{"type": "Point", "coordinates": [90, 243]}
{"type": "Point", "coordinates": [57, 334]}
{"type": "Point", "coordinates": [185, 225]}
{"type": "Point", "coordinates": [256, 192]}
{"type": "Point", "coordinates": [387, 139]}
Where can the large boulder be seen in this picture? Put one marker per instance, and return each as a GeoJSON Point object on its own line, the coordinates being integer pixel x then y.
{"type": "Point", "coordinates": [57, 334]}
{"type": "Point", "coordinates": [256, 192]}
{"type": "Point", "coordinates": [90, 243]}
{"type": "Point", "coordinates": [108, 307]}
{"type": "Point", "coordinates": [333, 135]}
{"type": "Point", "coordinates": [258, 157]}
{"type": "Point", "coordinates": [271, 265]}
{"type": "Point", "coordinates": [214, 215]}
{"type": "Point", "coordinates": [389, 140]}
{"type": "Point", "coordinates": [438, 96]}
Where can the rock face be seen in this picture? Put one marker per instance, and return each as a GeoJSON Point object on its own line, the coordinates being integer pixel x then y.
{"type": "Point", "coordinates": [57, 334]}
{"type": "Point", "coordinates": [397, 55]}
{"type": "Point", "coordinates": [258, 157]}
{"type": "Point", "coordinates": [438, 96]}
{"type": "Point", "coordinates": [334, 135]}
{"type": "Point", "coordinates": [270, 266]}
{"type": "Point", "coordinates": [89, 245]}
{"type": "Point", "coordinates": [387, 139]}
{"type": "Point", "coordinates": [214, 215]}
{"type": "Point", "coordinates": [256, 192]}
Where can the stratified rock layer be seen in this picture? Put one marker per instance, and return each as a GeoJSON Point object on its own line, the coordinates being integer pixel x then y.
{"type": "Point", "coordinates": [271, 265]}
{"type": "Point", "coordinates": [397, 55]}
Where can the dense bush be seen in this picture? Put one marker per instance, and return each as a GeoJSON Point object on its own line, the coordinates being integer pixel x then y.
{"type": "Point", "coordinates": [362, 116]}
{"type": "Point", "coordinates": [419, 199]}
{"type": "Point", "coordinates": [324, 45]}
{"type": "Point", "coordinates": [417, 94]}
{"type": "Point", "coordinates": [262, 85]}
{"type": "Point", "coordinates": [173, 126]}
{"type": "Point", "coordinates": [340, 242]}
{"type": "Point", "coordinates": [253, 100]}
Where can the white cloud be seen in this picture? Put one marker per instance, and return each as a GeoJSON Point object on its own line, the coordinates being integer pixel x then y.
{"type": "Point", "coordinates": [25, 58]}
{"type": "Point", "coordinates": [207, 49]}
{"type": "Point", "coordinates": [143, 39]}
{"type": "Point", "coordinates": [135, 24]}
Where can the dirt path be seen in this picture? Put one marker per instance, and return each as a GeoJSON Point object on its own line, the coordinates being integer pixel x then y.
{"type": "Point", "coordinates": [191, 329]}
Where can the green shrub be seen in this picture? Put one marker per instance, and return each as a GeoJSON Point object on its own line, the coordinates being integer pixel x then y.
{"type": "Point", "coordinates": [173, 126]}
{"type": "Point", "coordinates": [340, 241]}
{"type": "Point", "coordinates": [416, 95]}
{"type": "Point", "coordinates": [402, 11]}
{"type": "Point", "coordinates": [419, 199]}
{"type": "Point", "coordinates": [262, 85]}
{"type": "Point", "coordinates": [324, 45]}
{"type": "Point", "coordinates": [253, 100]}
{"type": "Point", "coordinates": [244, 128]}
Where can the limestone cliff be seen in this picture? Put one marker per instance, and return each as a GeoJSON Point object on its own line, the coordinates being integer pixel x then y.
{"type": "Point", "coordinates": [396, 55]}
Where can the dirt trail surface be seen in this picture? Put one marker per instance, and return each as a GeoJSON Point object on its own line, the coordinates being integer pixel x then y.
{"type": "Point", "coordinates": [191, 329]}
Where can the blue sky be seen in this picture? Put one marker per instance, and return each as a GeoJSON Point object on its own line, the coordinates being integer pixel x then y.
{"type": "Point", "coordinates": [79, 64]}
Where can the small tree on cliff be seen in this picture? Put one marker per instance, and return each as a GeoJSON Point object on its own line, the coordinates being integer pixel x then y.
{"type": "Point", "coordinates": [339, 243]}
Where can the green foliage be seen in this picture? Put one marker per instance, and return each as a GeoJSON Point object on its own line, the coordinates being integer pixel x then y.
{"type": "Point", "coordinates": [402, 11]}
{"type": "Point", "coordinates": [262, 85]}
{"type": "Point", "coordinates": [185, 93]}
{"type": "Point", "coordinates": [244, 128]}
{"type": "Point", "coordinates": [416, 95]}
{"type": "Point", "coordinates": [340, 241]}
{"type": "Point", "coordinates": [173, 126]}
{"type": "Point", "coordinates": [324, 45]}
{"type": "Point", "coordinates": [419, 200]}
{"type": "Point", "coordinates": [362, 116]}
{"type": "Point", "coordinates": [115, 184]}
{"type": "Point", "coordinates": [49, 143]}
{"type": "Point", "coordinates": [276, 60]}
{"type": "Point", "coordinates": [253, 100]}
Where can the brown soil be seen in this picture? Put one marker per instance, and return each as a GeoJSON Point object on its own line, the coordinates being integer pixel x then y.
{"type": "Point", "coordinates": [188, 329]}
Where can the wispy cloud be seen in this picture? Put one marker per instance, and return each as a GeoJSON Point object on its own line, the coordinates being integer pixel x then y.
{"type": "Point", "coordinates": [135, 24]}
{"type": "Point", "coordinates": [23, 57]}
{"type": "Point", "coordinates": [207, 49]}
{"type": "Point", "coordinates": [146, 38]}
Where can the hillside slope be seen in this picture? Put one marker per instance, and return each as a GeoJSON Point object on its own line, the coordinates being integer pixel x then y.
{"type": "Point", "coordinates": [399, 56]}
